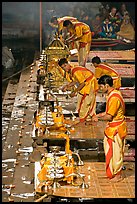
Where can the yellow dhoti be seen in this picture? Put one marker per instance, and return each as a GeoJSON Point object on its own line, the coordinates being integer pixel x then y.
{"type": "Point", "coordinates": [114, 144]}
{"type": "Point", "coordinates": [86, 105]}
{"type": "Point", "coordinates": [114, 151]}
{"type": "Point", "coordinates": [83, 53]}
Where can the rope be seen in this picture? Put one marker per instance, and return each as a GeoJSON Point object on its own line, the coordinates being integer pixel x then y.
{"type": "Point", "coordinates": [18, 72]}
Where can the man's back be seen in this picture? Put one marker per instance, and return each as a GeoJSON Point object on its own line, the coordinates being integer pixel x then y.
{"type": "Point", "coordinates": [82, 31]}
{"type": "Point", "coordinates": [105, 69]}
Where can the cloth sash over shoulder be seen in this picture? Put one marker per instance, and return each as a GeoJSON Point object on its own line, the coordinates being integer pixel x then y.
{"type": "Point", "coordinates": [118, 126]}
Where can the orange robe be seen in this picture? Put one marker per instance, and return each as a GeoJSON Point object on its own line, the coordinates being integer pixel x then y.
{"type": "Point", "coordinates": [104, 69]}
{"type": "Point", "coordinates": [115, 133]}
{"type": "Point", "coordinates": [61, 28]}
{"type": "Point", "coordinates": [86, 104]}
{"type": "Point", "coordinates": [64, 18]}
{"type": "Point", "coordinates": [83, 33]}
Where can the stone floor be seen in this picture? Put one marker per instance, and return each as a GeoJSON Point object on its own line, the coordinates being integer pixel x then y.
{"type": "Point", "coordinates": [99, 185]}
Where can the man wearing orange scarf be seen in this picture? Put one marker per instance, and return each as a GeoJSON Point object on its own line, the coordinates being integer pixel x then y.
{"type": "Point", "coordinates": [105, 69]}
{"type": "Point", "coordinates": [82, 36]}
{"type": "Point", "coordinates": [58, 24]}
{"type": "Point", "coordinates": [116, 128]}
{"type": "Point", "coordinates": [86, 89]}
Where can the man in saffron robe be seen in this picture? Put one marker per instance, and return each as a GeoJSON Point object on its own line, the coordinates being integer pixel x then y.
{"type": "Point", "coordinates": [116, 128]}
{"type": "Point", "coordinates": [82, 36]}
{"type": "Point", "coordinates": [58, 24]}
{"type": "Point", "coordinates": [105, 69]}
{"type": "Point", "coordinates": [86, 88]}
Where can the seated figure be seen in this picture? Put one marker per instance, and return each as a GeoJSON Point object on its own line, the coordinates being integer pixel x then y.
{"type": "Point", "coordinates": [107, 30]}
{"type": "Point", "coordinates": [127, 31]}
{"type": "Point", "coordinates": [96, 25]}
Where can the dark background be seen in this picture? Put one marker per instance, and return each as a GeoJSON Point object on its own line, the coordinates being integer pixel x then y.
{"type": "Point", "coordinates": [22, 19]}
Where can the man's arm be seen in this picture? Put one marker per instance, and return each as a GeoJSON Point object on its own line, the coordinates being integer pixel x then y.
{"type": "Point", "coordinates": [73, 38]}
{"type": "Point", "coordinates": [66, 87]}
{"type": "Point", "coordinates": [77, 89]}
{"type": "Point", "coordinates": [104, 116]}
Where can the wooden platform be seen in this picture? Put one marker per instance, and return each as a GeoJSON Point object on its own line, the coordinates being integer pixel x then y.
{"type": "Point", "coordinates": [88, 130]}
{"type": "Point", "coordinates": [99, 185]}
{"type": "Point", "coordinates": [126, 55]}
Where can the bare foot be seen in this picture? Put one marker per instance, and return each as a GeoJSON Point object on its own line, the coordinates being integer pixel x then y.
{"type": "Point", "coordinates": [117, 178]}
{"type": "Point", "coordinates": [94, 119]}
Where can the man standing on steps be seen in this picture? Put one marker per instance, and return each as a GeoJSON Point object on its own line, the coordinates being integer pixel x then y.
{"type": "Point", "coordinates": [105, 69]}
{"type": "Point", "coordinates": [84, 84]}
{"type": "Point", "coordinates": [116, 128]}
{"type": "Point", "coordinates": [58, 24]}
{"type": "Point", "coordinates": [82, 36]}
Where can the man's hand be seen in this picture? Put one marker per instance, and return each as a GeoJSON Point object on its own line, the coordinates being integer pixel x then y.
{"type": "Point", "coordinates": [64, 88]}
{"type": "Point", "coordinates": [72, 94]}
{"type": "Point", "coordinates": [94, 118]}
{"type": "Point", "coordinates": [67, 42]}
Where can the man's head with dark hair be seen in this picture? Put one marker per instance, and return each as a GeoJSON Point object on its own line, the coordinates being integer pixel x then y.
{"type": "Point", "coordinates": [53, 22]}
{"type": "Point", "coordinates": [105, 79]}
{"type": "Point", "coordinates": [97, 15]}
{"type": "Point", "coordinates": [96, 60]}
{"type": "Point", "coordinates": [62, 61]}
{"type": "Point", "coordinates": [66, 23]}
{"type": "Point", "coordinates": [53, 19]}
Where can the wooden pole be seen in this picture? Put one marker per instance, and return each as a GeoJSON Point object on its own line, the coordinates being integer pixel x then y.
{"type": "Point", "coordinates": [40, 27]}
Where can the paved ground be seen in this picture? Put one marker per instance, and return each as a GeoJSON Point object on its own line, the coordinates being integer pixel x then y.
{"type": "Point", "coordinates": [100, 186]}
